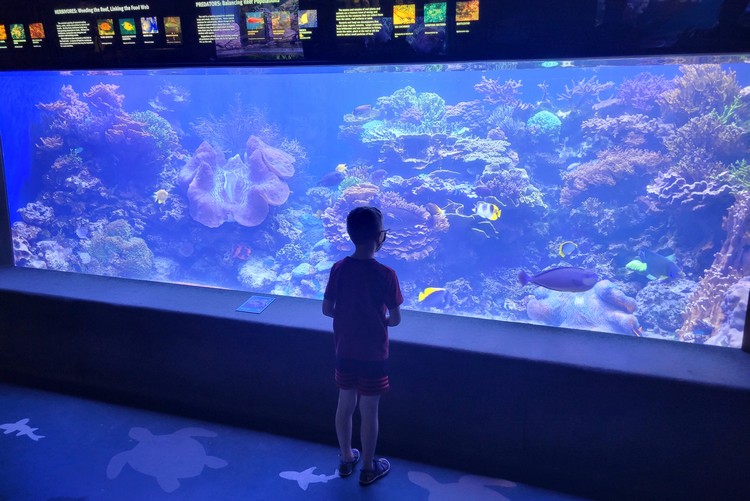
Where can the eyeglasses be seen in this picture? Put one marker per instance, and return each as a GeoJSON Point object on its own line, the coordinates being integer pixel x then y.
{"type": "Point", "coordinates": [384, 233]}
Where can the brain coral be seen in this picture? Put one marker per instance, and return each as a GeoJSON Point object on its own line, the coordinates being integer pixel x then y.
{"type": "Point", "coordinates": [544, 124]}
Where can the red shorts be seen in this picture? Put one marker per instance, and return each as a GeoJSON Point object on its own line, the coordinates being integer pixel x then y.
{"type": "Point", "coordinates": [368, 378]}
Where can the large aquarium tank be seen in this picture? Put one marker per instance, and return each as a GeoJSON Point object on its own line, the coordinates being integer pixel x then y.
{"type": "Point", "coordinates": [607, 195]}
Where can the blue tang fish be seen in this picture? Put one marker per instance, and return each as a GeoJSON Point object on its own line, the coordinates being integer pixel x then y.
{"type": "Point", "coordinates": [563, 278]}
{"type": "Point", "coordinates": [435, 297]}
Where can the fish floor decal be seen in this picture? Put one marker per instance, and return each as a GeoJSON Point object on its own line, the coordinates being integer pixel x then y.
{"type": "Point", "coordinates": [307, 477]}
{"type": "Point", "coordinates": [21, 428]}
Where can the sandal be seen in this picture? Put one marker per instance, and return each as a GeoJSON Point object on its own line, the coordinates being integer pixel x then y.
{"type": "Point", "coordinates": [381, 469]}
{"type": "Point", "coordinates": [346, 468]}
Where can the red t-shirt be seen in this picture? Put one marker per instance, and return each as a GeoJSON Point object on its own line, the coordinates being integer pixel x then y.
{"type": "Point", "coordinates": [362, 290]}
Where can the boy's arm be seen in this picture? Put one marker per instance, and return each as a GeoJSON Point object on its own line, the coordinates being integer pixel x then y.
{"type": "Point", "coordinates": [394, 316]}
{"type": "Point", "coordinates": [328, 307]}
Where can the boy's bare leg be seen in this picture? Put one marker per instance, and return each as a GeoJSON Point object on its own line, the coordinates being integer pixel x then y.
{"type": "Point", "coordinates": [344, 412]}
{"type": "Point", "coordinates": [368, 409]}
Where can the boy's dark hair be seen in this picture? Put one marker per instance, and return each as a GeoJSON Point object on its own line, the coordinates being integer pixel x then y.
{"type": "Point", "coordinates": [363, 224]}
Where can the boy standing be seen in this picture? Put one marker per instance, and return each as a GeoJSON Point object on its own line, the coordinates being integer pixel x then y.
{"type": "Point", "coordinates": [360, 290]}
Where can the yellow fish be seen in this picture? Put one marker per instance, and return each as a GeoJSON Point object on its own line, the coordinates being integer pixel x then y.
{"type": "Point", "coordinates": [434, 296]}
{"type": "Point", "coordinates": [303, 19]}
{"type": "Point", "coordinates": [128, 26]}
{"type": "Point", "coordinates": [567, 248]}
{"type": "Point", "coordinates": [161, 196]}
{"type": "Point", "coordinates": [341, 168]}
{"type": "Point", "coordinates": [488, 211]}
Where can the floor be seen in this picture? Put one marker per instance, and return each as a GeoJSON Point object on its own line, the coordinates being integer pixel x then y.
{"type": "Point", "coordinates": [62, 448]}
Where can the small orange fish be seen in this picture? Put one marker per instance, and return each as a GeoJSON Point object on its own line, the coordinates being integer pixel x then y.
{"type": "Point", "coordinates": [105, 26]}
{"type": "Point", "coordinates": [254, 20]}
{"type": "Point", "coordinates": [241, 252]}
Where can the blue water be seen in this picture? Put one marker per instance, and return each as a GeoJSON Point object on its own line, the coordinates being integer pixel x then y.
{"type": "Point", "coordinates": [610, 202]}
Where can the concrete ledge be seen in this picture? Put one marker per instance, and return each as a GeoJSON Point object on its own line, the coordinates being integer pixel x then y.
{"type": "Point", "coordinates": [595, 415]}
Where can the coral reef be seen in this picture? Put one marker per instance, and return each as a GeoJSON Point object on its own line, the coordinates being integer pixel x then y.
{"type": "Point", "coordinates": [494, 92]}
{"type": "Point", "coordinates": [603, 308]}
{"type": "Point", "coordinates": [584, 94]}
{"type": "Point", "coordinates": [730, 264]}
{"type": "Point", "coordinates": [414, 231]}
{"type": "Point", "coordinates": [670, 191]}
{"type": "Point", "coordinates": [221, 191]}
{"type": "Point", "coordinates": [170, 98]}
{"type": "Point", "coordinates": [511, 186]}
{"type": "Point", "coordinates": [612, 168]}
{"type": "Point", "coordinates": [230, 131]}
{"type": "Point", "coordinates": [700, 89]}
{"type": "Point", "coordinates": [627, 129]}
{"type": "Point", "coordinates": [258, 274]}
{"type": "Point", "coordinates": [469, 114]}
{"type": "Point", "coordinates": [661, 304]}
{"type": "Point", "coordinates": [37, 213]}
{"type": "Point", "coordinates": [642, 91]}
{"type": "Point", "coordinates": [734, 309]}
{"type": "Point", "coordinates": [706, 135]}
{"type": "Point", "coordinates": [544, 125]}
{"type": "Point", "coordinates": [117, 252]}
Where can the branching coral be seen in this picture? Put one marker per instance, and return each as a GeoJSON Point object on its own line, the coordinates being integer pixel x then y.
{"type": "Point", "coordinates": [642, 92]}
{"type": "Point", "coordinates": [69, 114]}
{"type": "Point", "coordinates": [611, 167]}
{"type": "Point", "coordinates": [707, 133]}
{"type": "Point", "coordinates": [700, 89]}
{"type": "Point", "coordinates": [230, 130]}
{"type": "Point", "coordinates": [170, 98]}
{"type": "Point", "coordinates": [584, 92]}
{"type": "Point", "coordinates": [494, 92]}
{"type": "Point", "coordinates": [105, 98]}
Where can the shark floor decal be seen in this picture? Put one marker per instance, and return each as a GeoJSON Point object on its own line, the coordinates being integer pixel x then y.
{"type": "Point", "coordinates": [21, 428]}
{"type": "Point", "coordinates": [307, 477]}
{"type": "Point", "coordinates": [168, 458]}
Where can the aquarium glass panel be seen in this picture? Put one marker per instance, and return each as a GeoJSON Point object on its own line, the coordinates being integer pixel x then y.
{"type": "Point", "coordinates": [606, 195]}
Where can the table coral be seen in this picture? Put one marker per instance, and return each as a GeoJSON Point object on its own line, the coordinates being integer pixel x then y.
{"type": "Point", "coordinates": [602, 308]}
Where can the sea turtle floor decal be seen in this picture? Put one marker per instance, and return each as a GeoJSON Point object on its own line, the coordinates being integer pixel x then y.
{"type": "Point", "coordinates": [166, 457]}
{"type": "Point", "coordinates": [22, 428]}
{"type": "Point", "coordinates": [307, 477]}
{"type": "Point", "coordinates": [468, 487]}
